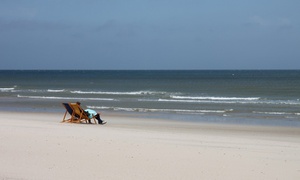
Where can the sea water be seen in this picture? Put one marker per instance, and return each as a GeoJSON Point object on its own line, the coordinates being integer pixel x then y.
{"type": "Point", "coordinates": [227, 96]}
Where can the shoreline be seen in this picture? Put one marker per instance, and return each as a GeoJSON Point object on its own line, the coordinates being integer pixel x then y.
{"type": "Point", "coordinates": [146, 122]}
{"type": "Point", "coordinates": [194, 119]}
{"type": "Point", "coordinates": [38, 146]}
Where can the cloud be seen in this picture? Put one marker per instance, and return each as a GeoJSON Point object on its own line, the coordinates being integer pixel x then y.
{"type": "Point", "coordinates": [118, 29]}
{"type": "Point", "coordinates": [30, 25]}
{"type": "Point", "coordinates": [257, 20]}
{"type": "Point", "coordinates": [279, 23]}
{"type": "Point", "coordinates": [18, 12]}
{"type": "Point", "coordinates": [285, 23]}
{"type": "Point", "coordinates": [108, 25]}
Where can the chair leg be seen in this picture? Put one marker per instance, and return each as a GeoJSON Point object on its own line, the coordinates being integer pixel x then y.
{"type": "Point", "coordinates": [64, 117]}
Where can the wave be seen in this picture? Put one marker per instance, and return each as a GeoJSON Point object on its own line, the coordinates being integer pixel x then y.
{"type": "Point", "coordinates": [55, 90]}
{"type": "Point", "coordinates": [159, 110]}
{"type": "Point", "coordinates": [7, 89]}
{"type": "Point", "coordinates": [12, 89]}
{"type": "Point", "coordinates": [194, 101]}
{"type": "Point", "coordinates": [276, 113]}
{"type": "Point", "coordinates": [119, 93]}
{"type": "Point", "coordinates": [30, 90]}
{"type": "Point", "coordinates": [68, 98]}
{"type": "Point", "coordinates": [259, 101]}
{"type": "Point", "coordinates": [216, 98]}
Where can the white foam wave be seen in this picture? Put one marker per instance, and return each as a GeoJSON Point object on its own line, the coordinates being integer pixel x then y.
{"type": "Point", "coordinates": [157, 110]}
{"type": "Point", "coordinates": [271, 102]}
{"type": "Point", "coordinates": [194, 101]}
{"type": "Point", "coordinates": [216, 98]}
{"type": "Point", "coordinates": [6, 89]}
{"type": "Point", "coordinates": [34, 90]}
{"type": "Point", "coordinates": [55, 90]}
{"type": "Point", "coordinates": [68, 98]}
{"type": "Point", "coordinates": [274, 113]}
{"type": "Point", "coordinates": [118, 93]}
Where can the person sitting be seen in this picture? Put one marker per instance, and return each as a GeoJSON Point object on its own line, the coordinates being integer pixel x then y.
{"type": "Point", "coordinates": [92, 113]}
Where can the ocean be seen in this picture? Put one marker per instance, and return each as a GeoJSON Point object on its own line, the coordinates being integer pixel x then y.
{"type": "Point", "coordinates": [266, 97]}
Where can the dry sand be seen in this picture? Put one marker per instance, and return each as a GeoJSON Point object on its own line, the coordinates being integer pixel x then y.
{"type": "Point", "coordinates": [37, 146]}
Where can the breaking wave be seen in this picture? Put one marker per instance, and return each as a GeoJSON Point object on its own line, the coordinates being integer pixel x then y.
{"type": "Point", "coordinates": [119, 93]}
{"type": "Point", "coordinates": [7, 89]}
{"type": "Point", "coordinates": [216, 98]}
{"type": "Point", "coordinates": [56, 90]}
{"type": "Point", "coordinates": [66, 98]}
{"type": "Point", "coordinates": [159, 110]}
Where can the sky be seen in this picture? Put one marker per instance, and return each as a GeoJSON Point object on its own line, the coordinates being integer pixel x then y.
{"type": "Point", "coordinates": [149, 34]}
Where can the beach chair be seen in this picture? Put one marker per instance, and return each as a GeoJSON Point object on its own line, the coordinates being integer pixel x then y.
{"type": "Point", "coordinates": [77, 114]}
{"type": "Point", "coordinates": [68, 110]}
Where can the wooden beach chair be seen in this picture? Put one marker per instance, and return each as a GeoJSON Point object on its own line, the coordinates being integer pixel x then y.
{"type": "Point", "coordinates": [77, 114]}
{"type": "Point", "coordinates": [68, 110]}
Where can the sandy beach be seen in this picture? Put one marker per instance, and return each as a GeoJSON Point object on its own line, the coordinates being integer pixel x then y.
{"type": "Point", "coordinates": [38, 146]}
